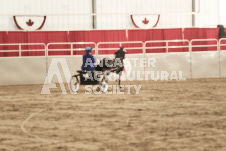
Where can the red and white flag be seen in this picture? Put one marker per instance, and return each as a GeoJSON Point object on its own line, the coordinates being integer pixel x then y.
{"type": "Point", "coordinates": [145, 21]}
{"type": "Point", "coordinates": [29, 22]}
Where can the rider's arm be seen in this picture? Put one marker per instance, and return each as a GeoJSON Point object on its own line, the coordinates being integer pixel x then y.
{"type": "Point", "coordinates": [93, 59]}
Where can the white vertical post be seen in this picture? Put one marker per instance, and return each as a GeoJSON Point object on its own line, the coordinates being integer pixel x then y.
{"type": "Point", "coordinates": [71, 49]}
{"type": "Point", "coordinates": [219, 57]}
{"type": "Point", "coordinates": [167, 45]}
{"type": "Point", "coordinates": [190, 51]}
{"type": "Point", "coordinates": [96, 52]}
{"type": "Point", "coordinates": [46, 56]}
{"type": "Point", "coordinates": [144, 54]}
{"type": "Point", "coordinates": [144, 49]}
{"type": "Point", "coordinates": [19, 50]}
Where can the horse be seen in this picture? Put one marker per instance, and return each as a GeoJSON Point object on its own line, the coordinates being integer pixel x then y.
{"type": "Point", "coordinates": [115, 65]}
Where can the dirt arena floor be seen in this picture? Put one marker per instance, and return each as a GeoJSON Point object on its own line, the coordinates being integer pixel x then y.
{"type": "Point", "coordinates": [166, 115]}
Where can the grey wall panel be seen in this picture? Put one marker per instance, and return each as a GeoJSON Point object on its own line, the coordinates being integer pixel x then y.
{"type": "Point", "coordinates": [171, 62]}
{"type": "Point", "coordinates": [205, 64]}
{"type": "Point", "coordinates": [223, 63]}
{"type": "Point", "coordinates": [19, 71]}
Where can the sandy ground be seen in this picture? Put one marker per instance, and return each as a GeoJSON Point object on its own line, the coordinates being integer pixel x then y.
{"type": "Point", "coordinates": [177, 116]}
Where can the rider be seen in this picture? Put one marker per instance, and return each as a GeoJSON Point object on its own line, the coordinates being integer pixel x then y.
{"type": "Point", "coordinates": [88, 65]}
{"type": "Point", "coordinates": [88, 60]}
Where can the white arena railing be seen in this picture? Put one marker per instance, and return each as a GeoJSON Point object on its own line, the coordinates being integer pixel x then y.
{"type": "Point", "coordinates": [20, 49]}
{"type": "Point", "coordinates": [185, 44]}
{"type": "Point", "coordinates": [208, 63]}
{"type": "Point", "coordinates": [129, 45]}
{"type": "Point", "coordinates": [71, 48]}
{"type": "Point", "coordinates": [192, 45]}
{"type": "Point", "coordinates": [119, 44]}
{"type": "Point", "coordinates": [205, 60]}
{"type": "Point", "coordinates": [222, 43]}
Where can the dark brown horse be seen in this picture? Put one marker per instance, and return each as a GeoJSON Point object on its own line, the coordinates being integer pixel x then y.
{"type": "Point", "coordinates": [113, 65]}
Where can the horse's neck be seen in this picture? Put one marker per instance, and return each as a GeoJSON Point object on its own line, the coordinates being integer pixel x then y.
{"type": "Point", "coordinates": [118, 58]}
{"type": "Point", "coordinates": [121, 60]}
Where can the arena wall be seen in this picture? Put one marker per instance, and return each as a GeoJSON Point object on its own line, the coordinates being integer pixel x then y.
{"type": "Point", "coordinates": [110, 14]}
{"type": "Point", "coordinates": [205, 64]}
{"type": "Point", "coordinates": [223, 63]}
{"type": "Point", "coordinates": [33, 70]}
{"type": "Point", "coordinates": [16, 71]}
{"type": "Point", "coordinates": [171, 62]}
{"type": "Point", "coordinates": [96, 36]}
{"type": "Point", "coordinates": [175, 51]}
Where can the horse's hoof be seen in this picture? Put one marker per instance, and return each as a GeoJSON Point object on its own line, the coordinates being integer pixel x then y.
{"type": "Point", "coordinates": [120, 88]}
{"type": "Point", "coordinates": [98, 89]}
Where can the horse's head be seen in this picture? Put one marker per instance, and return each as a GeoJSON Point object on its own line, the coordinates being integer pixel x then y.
{"type": "Point", "coordinates": [120, 53]}
{"type": "Point", "coordinates": [106, 63]}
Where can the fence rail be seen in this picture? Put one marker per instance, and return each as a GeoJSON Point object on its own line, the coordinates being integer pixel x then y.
{"type": "Point", "coordinates": [167, 44]}
{"type": "Point", "coordinates": [19, 48]}
{"type": "Point", "coordinates": [207, 44]}
{"type": "Point", "coordinates": [77, 48]}
{"type": "Point", "coordinates": [129, 45]}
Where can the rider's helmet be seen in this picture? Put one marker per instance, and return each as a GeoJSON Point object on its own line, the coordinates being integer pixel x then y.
{"type": "Point", "coordinates": [88, 49]}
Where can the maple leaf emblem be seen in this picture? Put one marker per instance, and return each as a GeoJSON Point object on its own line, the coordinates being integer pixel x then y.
{"type": "Point", "coordinates": [29, 22]}
{"type": "Point", "coordinates": [145, 21]}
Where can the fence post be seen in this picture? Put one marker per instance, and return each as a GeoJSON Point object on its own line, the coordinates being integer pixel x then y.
{"type": "Point", "coordinates": [71, 49]}
{"type": "Point", "coordinates": [167, 46]}
{"type": "Point", "coordinates": [19, 50]}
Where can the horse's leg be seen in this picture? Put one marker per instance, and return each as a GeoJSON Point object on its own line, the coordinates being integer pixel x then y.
{"type": "Point", "coordinates": [119, 80]}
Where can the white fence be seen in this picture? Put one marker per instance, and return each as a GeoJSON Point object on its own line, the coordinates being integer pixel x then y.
{"type": "Point", "coordinates": [18, 48]}
{"type": "Point", "coordinates": [192, 63]}
{"type": "Point", "coordinates": [72, 47]}
{"type": "Point", "coordinates": [69, 47]}
{"type": "Point", "coordinates": [167, 43]}
{"type": "Point", "coordinates": [129, 45]}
